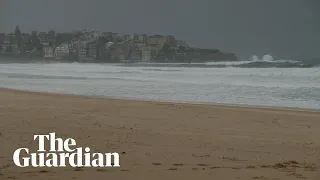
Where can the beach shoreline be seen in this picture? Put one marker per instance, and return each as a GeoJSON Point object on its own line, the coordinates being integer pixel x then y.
{"type": "Point", "coordinates": [160, 140]}
{"type": "Point", "coordinates": [168, 101]}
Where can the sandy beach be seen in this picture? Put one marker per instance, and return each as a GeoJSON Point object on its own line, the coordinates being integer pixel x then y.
{"type": "Point", "coordinates": [158, 140]}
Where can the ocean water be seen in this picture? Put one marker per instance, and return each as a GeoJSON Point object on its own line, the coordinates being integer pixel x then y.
{"type": "Point", "coordinates": [217, 83]}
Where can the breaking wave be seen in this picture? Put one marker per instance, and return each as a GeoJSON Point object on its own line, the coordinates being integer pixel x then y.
{"type": "Point", "coordinates": [267, 61]}
{"type": "Point", "coordinates": [168, 70]}
{"type": "Point", "coordinates": [57, 77]}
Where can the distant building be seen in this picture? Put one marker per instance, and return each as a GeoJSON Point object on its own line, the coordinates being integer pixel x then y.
{"type": "Point", "coordinates": [48, 52]}
{"type": "Point", "coordinates": [26, 36]}
{"type": "Point", "coordinates": [82, 52]}
{"type": "Point", "coordinates": [64, 38]}
{"type": "Point", "coordinates": [92, 49]}
{"type": "Point", "coordinates": [44, 40]}
{"type": "Point", "coordinates": [146, 54]}
{"type": "Point", "coordinates": [135, 37]}
{"type": "Point", "coordinates": [52, 37]}
{"type": "Point", "coordinates": [65, 45]}
{"type": "Point", "coordinates": [119, 52]}
{"type": "Point", "coordinates": [171, 40]}
{"type": "Point", "coordinates": [12, 38]}
{"type": "Point", "coordinates": [126, 37]}
{"type": "Point", "coordinates": [157, 40]}
{"type": "Point", "coordinates": [15, 48]}
{"type": "Point", "coordinates": [72, 51]}
{"type": "Point", "coordinates": [61, 51]}
{"type": "Point", "coordinates": [154, 49]}
{"type": "Point", "coordinates": [75, 43]}
{"type": "Point", "coordinates": [110, 35]}
{"type": "Point", "coordinates": [43, 37]}
{"type": "Point", "coordinates": [108, 44]}
{"type": "Point", "coordinates": [42, 34]}
{"type": "Point", "coordinates": [88, 35]}
{"type": "Point", "coordinates": [34, 39]}
{"type": "Point", "coordinates": [143, 38]}
{"type": "Point", "coordinates": [34, 34]}
{"type": "Point", "coordinates": [17, 32]}
{"type": "Point", "coordinates": [6, 46]}
{"type": "Point", "coordinates": [51, 33]}
{"type": "Point", "coordinates": [130, 43]}
{"type": "Point", "coordinates": [138, 46]}
{"type": "Point", "coordinates": [26, 42]}
{"type": "Point", "coordinates": [102, 52]}
{"type": "Point", "coordinates": [2, 37]}
{"type": "Point", "coordinates": [134, 55]}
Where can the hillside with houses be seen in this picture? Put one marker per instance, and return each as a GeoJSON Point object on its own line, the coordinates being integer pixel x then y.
{"type": "Point", "coordinates": [102, 47]}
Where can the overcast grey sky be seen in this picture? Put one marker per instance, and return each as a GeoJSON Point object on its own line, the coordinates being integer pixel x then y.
{"type": "Point", "coordinates": [283, 28]}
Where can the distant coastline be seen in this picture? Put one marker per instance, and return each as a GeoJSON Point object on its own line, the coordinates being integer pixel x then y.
{"type": "Point", "coordinates": [90, 46]}
{"type": "Point", "coordinates": [9, 58]}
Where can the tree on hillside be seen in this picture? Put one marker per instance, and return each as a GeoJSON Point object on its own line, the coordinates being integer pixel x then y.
{"type": "Point", "coordinates": [17, 32]}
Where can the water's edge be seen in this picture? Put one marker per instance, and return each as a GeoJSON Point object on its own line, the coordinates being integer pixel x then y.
{"type": "Point", "coordinates": [167, 101]}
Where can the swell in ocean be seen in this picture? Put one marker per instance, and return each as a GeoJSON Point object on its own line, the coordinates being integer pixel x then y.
{"type": "Point", "coordinates": [266, 61]}
{"type": "Point", "coordinates": [274, 87]}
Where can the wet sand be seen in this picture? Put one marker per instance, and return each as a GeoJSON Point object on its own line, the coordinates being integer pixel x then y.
{"type": "Point", "coordinates": [158, 140]}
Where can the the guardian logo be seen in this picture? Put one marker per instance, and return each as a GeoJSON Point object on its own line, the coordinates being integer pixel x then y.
{"type": "Point", "coordinates": [65, 154]}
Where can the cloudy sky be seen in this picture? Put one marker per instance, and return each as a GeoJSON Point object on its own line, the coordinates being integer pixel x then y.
{"type": "Point", "coordinates": [283, 28]}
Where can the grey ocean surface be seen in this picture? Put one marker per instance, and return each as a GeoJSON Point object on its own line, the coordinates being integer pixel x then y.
{"type": "Point", "coordinates": [276, 87]}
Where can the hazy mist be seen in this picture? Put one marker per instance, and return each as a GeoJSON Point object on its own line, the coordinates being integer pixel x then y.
{"type": "Point", "coordinates": [283, 28]}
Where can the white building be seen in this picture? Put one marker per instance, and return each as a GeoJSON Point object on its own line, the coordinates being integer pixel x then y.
{"type": "Point", "coordinates": [61, 51]}
{"type": "Point", "coordinates": [15, 48]}
{"type": "Point", "coordinates": [5, 45]}
{"type": "Point", "coordinates": [108, 44]}
{"type": "Point", "coordinates": [82, 51]}
{"type": "Point", "coordinates": [146, 54]}
{"type": "Point", "coordinates": [44, 40]}
{"type": "Point", "coordinates": [48, 52]}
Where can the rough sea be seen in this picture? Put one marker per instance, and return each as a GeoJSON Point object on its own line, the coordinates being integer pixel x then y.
{"type": "Point", "coordinates": [256, 82]}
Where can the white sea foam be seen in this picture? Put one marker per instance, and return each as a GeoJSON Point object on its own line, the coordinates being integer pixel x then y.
{"type": "Point", "coordinates": [266, 58]}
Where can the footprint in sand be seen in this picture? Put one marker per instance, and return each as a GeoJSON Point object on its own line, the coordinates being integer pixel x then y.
{"type": "Point", "coordinates": [260, 177]}
{"type": "Point", "coordinates": [102, 170]}
{"type": "Point", "coordinates": [298, 176]}
{"type": "Point", "coordinates": [156, 164]}
{"type": "Point", "coordinates": [203, 164]}
{"type": "Point", "coordinates": [43, 171]}
{"type": "Point", "coordinates": [250, 167]}
{"type": "Point", "coordinates": [177, 164]}
{"type": "Point", "coordinates": [224, 167]}
{"type": "Point", "coordinates": [173, 169]}
{"type": "Point", "coordinates": [125, 170]}
{"type": "Point", "coordinates": [78, 169]}
{"type": "Point", "coordinates": [5, 166]}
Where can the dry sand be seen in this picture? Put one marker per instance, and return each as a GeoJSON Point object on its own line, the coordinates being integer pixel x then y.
{"type": "Point", "coordinates": [162, 140]}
